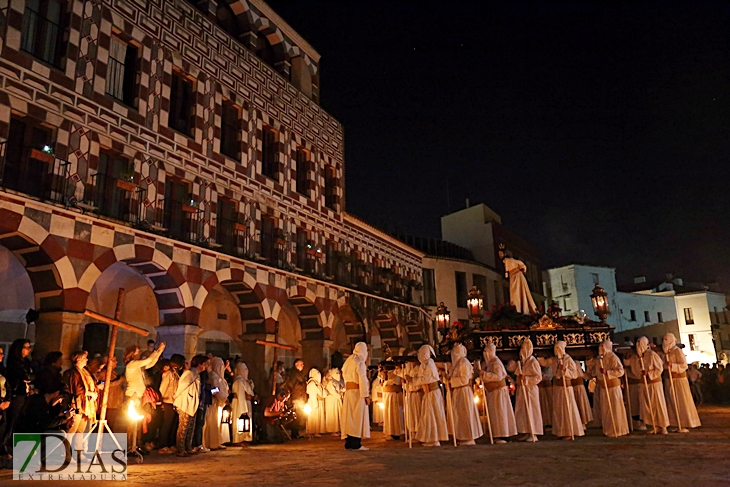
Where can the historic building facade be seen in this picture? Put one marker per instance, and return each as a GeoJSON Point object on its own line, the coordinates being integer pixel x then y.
{"type": "Point", "coordinates": [178, 151]}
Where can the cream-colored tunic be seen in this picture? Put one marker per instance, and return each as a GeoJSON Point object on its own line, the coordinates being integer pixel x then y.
{"type": "Point", "coordinates": [432, 422]}
{"type": "Point", "coordinates": [355, 421]}
{"type": "Point", "coordinates": [652, 406]}
{"type": "Point", "coordinates": [467, 426]}
{"type": "Point", "coordinates": [687, 410]}
{"type": "Point", "coordinates": [615, 424]}
{"type": "Point", "coordinates": [527, 389]}
{"type": "Point", "coordinates": [501, 415]}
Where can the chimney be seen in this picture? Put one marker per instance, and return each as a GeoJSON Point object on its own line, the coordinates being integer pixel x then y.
{"type": "Point", "coordinates": [639, 279]}
{"type": "Point", "coordinates": [467, 202]}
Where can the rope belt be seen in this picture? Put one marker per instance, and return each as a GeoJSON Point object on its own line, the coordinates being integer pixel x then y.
{"type": "Point", "coordinates": [430, 387]}
{"type": "Point", "coordinates": [394, 388]}
{"type": "Point", "coordinates": [495, 385]}
{"type": "Point", "coordinates": [351, 385]}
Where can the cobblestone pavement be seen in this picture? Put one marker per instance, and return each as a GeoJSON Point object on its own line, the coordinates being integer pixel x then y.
{"type": "Point", "coordinates": [696, 459]}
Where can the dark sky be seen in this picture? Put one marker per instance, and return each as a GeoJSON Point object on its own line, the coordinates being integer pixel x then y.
{"type": "Point", "coordinates": [599, 132]}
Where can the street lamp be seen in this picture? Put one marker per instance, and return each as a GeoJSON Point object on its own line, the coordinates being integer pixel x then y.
{"type": "Point", "coordinates": [475, 304]}
{"type": "Point", "coordinates": [600, 303]}
{"type": "Point", "coordinates": [443, 317]}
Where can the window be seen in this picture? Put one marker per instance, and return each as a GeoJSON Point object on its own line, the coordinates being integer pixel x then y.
{"type": "Point", "coordinates": [595, 278]}
{"type": "Point", "coordinates": [230, 123]}
{"type": "Point", "coordinates": [182, 104]}
{"type": "Point", "coordinates": [176, 219]}
{"type": "Point", "coordinates": [647, 318]}
{"type": "Point", "coordinates": [633, 315]}
{"type": "Point", "coordinates": [301, 248]}
{"type": "Point", "coordinates": [302, 161]}
{"type": "Point", "coordinates": [460, 289]}
{"type": "Point", "coordinates": [121, 78]}
{"type": "Point", "coordinates": [429, 287]}
{"type": "Point", "coordinates": [110, 197]}
{"type": "Point", "coordinates": [269, 153]}
{"type": "Point", "coordinates": [267, 238]}
{"type": "Point", "coordinates": [566, 304]}
{"type": "Point", "coordinates": [329, 187]}
{"type": "Point", "coordinates": [226, 217]}
{"type": "Point", "coordinates": [688, 319]}
{"type": "Point", "coordinates": [692, 343]}
{"type": "Point", "coordinates": [21, 171]}
{"type": "Point", "coordinates": [480, 282]}
{"type": "Point", "coordinates": [659, 317]}
{"type": "Point", "coordinates": [43, 30]}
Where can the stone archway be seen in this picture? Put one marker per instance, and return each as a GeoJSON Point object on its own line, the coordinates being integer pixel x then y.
{"type": "Point", "coordinates": [15, 300]}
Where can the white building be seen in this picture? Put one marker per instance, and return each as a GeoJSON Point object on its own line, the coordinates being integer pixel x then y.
{"type": "Point", "coordinates": [648, 309]}
{"type": "Point", "coordinates": [571, 287]}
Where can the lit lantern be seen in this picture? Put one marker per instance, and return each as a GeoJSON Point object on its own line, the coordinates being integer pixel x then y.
{"type": "Point", "coordinates": [475, 304]}
{"type": "Point", "coordinates": [226, 415]}
{"type": "Point", "coordinates": [476, 399]}
{"type": "Point", "coordinates": [307, 409]}
{"type": "Point", "coordinates": [600, 303]}
{"type": "Point", "coordinates": [244, 423]}
{"type": "Point", "coordinates": [381, 405]}
{"type": "Point", "coordinates": [443, 317]}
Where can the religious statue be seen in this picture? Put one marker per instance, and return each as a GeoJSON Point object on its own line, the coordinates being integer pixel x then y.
{"type": "Point", "coordinates": [519, 291]}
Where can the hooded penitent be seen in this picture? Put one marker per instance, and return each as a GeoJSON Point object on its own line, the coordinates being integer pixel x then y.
{"type": "Point", "coordinates": [243, 390]}
{"type": "Point", "coordinates": [669, 342]}
{"type": "Point", "coordinates": [315, 375]}
{"type": "Point", "coordinates": [425, 353]}
{"type": "Point", "coordinates": [241, 371]}
{"type": "Point", "coordinates": [642, 345]}
{"type": "Point", "coordinates": [334, 374]}
{"type": "Point", "coordinates": [559, 349]}
{"type": "Point", "coordinates": [355, 417]}
{"type": "Point", "coordinates": [525, 350]}
{"type": "Point", "coordinates": [489, 352]}
{"type": "Point", "coordinates": [493, 375]}
{"type": "Point", "coordinates": [361, 350]}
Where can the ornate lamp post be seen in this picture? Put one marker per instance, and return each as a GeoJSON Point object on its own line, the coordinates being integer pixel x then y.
{"type": "Point", "coordinates": [443, 319]}
{"type": "Point", "coordinates": [475, 304]}
{"type": "Point", "coordinates": [600, 303]}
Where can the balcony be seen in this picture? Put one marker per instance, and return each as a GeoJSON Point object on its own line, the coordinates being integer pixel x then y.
{"type": "Point", "coordinates": [120, 199]}
{"type": "Point", "coordinates": [179, 221]}
{"type": "Point", "coordinates": [234, 238]}
{"type": "Point", "coordinates": [35, 173]}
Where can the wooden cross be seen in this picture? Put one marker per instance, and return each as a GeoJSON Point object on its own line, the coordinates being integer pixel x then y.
{"type": "Point", "coordinates": [276, 345]}
{"type": "Point", "coordinates": [115, 323]}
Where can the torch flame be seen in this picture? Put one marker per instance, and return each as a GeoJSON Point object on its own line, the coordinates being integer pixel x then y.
{"type": "Point", "coordinates": [132, 412]}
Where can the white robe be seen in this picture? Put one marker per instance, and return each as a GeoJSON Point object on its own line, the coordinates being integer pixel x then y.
{"type": "Point", "coordinates": [414, 398]}
{"type": "Point", "coordinates": [467, 426]}
{"type": "Point", "coordinates": [519, 291]}
{"type": "Point", "coordinates": [566, 416]}
{"type": "Point", "coordinates": [633, 398]}
{"type": "Point", "coordinates": [501, 416]}
{"type": "Point", "coordinates": [529, 395]}
{"type": "Point", "coordinates": [241, 388]}
{"type": "Point", "coordinates": [687, 410]}
{"type": "Point", "coordinates": [214, 432]}
{"type": "Point", "coordinates": [581, 399]}
{"type": "Point", "coordinates": [432, 422]}
{"type": "Point", "coordinates": [546, 396]}
{"type": "Point", "coordinates": [377, 396]}
{"type": "Point", "coordinates": [316, 416]}
{"type": "Point", "coordinates": [332, 405]}
{"type": "Point", "coordinates": [652, 406]}
{"type": "Point", "coordinates": [393, 413]}
{"type": "Point", "coordinates": [354, 419]}
{"type": "Point", "coordinates": [615, 424]}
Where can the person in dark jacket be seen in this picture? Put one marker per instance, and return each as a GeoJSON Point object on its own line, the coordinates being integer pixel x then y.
{"type": "Point", "coordinates": [296, 383]}
{"type": "Point", "coordinates": [49, 377]}
{"type": "Point", "coordinates": [206, 399]}
{"type": "Point", "coordinates": [19, 378]}
{"type": "Point", "coordinates": [42, 412]}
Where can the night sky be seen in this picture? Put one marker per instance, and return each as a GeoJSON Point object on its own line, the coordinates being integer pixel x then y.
{"type": "Point", "coordinates": [599, 132]}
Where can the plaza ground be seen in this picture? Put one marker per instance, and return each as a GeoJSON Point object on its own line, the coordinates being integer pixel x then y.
{"type": "Point", "coordinates": [699, 458]}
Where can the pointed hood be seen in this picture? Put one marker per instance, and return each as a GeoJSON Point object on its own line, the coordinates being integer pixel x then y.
{"type": "Point", "coordinates": [334, 374]}
{"type": "Point", "coordinates": [489, 352]}
{"type": "Point", "coordinates": [241, 371]}
{"type": "Point", "coordinates": [458, 352]}
{"type": "Point", "coordinates": [559, 349]}
{"type": "Point", "coordinates": [425, 353]}
{"type": "Point", "coordinates": [669, 343]}
{"type": "Point", "coordinates": [217, 366]}
{"type": "Point", "coordinates": [361, 350]}
{"type": "Point", "coordinates": [642, 345]}
{"type": "Point", "coordinates": [526, 350]}
{"type": "Point", "coordinates": [315, 375]}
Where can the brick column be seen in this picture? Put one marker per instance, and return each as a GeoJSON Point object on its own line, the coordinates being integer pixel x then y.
{"type": "Point", "coordinates": [182, 339]}
{"type": "Point", "coordinates": [59, 330]}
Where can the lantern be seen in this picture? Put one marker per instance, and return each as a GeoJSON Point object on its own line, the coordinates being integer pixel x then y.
{"type": "Point", "coordinates": [132, 412]}
{"type": "Point", "coordinates": [307, 409]}
{"type": "Point", "coordinates": [226, 415]}
{"type": "Point", "coordinates": [442, 317]}
{"type": "Point", "coordinates": [475, 304]}
{"type": "Point", "coordinates": [600, 303]}
{"type": "Point", "coordinates": [244, 423]}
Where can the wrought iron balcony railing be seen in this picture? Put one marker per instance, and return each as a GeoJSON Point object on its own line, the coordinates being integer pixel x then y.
{"type": "Point", "coordinates": [35, 173]}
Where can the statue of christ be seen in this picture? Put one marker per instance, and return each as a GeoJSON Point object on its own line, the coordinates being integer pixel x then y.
{"type": "Point", "coordinates": [519, 291]}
